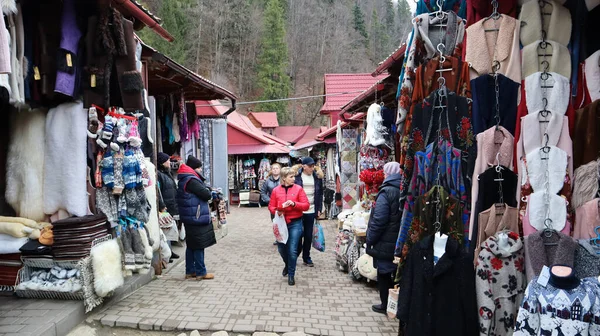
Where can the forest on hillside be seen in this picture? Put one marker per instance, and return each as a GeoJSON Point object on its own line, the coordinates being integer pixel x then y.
{"type": "Point", "coordinates": [270, 49]}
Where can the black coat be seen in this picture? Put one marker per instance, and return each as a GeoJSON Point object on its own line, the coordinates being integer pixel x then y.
{"type": "Point", "coordinates": [168, 190]}
{"type": "Point", "coordinates": [318, 189]}
{"type": "Point", "coordinates": [384, 223]}
{"type": "Point", "coordinates": [438, 300]}
{"type": "Point", "coordinates": [198, 237]}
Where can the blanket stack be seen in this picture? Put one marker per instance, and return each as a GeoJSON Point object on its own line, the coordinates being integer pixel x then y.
{"type": "Point", "coordinates": [73, 236]}
{"type": "Point", "coordinates": [10, 264]}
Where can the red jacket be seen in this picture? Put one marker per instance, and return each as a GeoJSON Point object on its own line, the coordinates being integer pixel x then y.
{"type": "Point", "coordinates": [296, 194]}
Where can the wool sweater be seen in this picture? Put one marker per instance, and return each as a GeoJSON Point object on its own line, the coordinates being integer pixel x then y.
{"type": "Point", "coordinates": [500, 283]}
{"type": "Point", "coordinates": [537, 254]}
{"type": "Point", "coordinates": [483, 48]}
{"type": "Point", "coordinates": [587, 260]}
{"type": "Point", "coordinates": [556, 309]}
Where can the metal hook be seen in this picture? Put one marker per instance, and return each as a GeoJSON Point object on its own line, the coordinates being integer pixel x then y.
{"type": "Point", "coordinates": [495, 67]}
{"type": "Point", "coordinates": [545, 100]}
{"type": "Point", "coordinates": [546, 65]}
{"type": "Point", "coordinates": [439, 46]}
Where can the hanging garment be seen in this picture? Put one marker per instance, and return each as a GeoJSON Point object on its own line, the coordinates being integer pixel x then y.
{"type": "Point", "coordinates": [585, 184]}
{"type": "Point", "coordinates": [559, 308]}
{"type": "Point", "coordinates": [8, 7]}
{"type": "Point", "coordinates": [587, 218]}
{"type": "Point", "coordinates": [547, 172]}
{"type": "Point", "coordinates": [493, 148]}
{"type": "Point", "coordinates": [494, 220]}
{"type": "Point", "coordinates": [538, 254]}
{"type": "Point", "coordinates": [65, 166]}
{"type": "Point", "coordinates": [559, 61]}
{"type": "Point", "coordinates": [429, 6]}
{"type": "Point", "coordinates": [481, 9]}
{"type": "Point", "coordinates": [483, 90]}
{"type": "Point", "coordinates": [484, 48]}
{"type": "Point", "coordinates": [422, 224]}
{"type": "Point", "coordinates": [17, 55]}
{"type": "Point", "coordinates": [592, 75]}
{"type": "Point", "coordinates": [590, 28]}
{"type": "Point", "coordinates": [500, 283]}
{"type": "Point", "coordinates": [587, 259]}
{"type": "Point", "coordinates": [586, 138]}
{"type": "Point", "coordinates": [68, 62]}
{"type": "Point", "coordinates": [421, 46]}
{"type": "Point", "coordinates": [557, 25]}
{"type": "Point", "coordinates": [129, 78]}
{"type": "Point", "coordinates": [25, 164]}
{"type": "Point", "coordinates": [438, 299]}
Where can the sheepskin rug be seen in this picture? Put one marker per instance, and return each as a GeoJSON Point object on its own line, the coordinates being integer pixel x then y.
{"type": "Point", "coordinates": [152, 225]}
{"type": "Point", "coordinates": [106, 263]}
{"type": "Point", "coordinates": [65, 163]}
{"type": "Point", "coordinates": [25, 164]}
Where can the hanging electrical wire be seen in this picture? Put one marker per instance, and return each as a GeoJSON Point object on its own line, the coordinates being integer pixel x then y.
{"type": "Point", "coordinates": [286, 99]}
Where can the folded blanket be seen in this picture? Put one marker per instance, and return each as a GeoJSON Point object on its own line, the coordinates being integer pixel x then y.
{"type": "Point", "coordinates": [10, 244]}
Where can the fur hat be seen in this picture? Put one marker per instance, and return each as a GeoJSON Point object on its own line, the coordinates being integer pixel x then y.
{"type": "Point", "coordinates": [193, 163]}
{"type": "Point", "coordinates": [162, 158]}
{"type": "Point", "coordinates": [391, 168]}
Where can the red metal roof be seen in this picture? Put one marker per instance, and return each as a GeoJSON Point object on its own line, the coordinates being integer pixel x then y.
{"type": "Point", "coordinates": [357, 117]}
{"type": "Point", "coordinates": [308, 138]}
{"type": "Point", "coordinates": [203, 108]}
{"type": "Point", "coordinates": [266, 119]}
{"type": "Point", "coordinates": [341, 83]}
{"type": "Point", "coordinates": [397, 55]}
{"type": "Point", "coordinates": [291, 134]}
{"type": "Point", "coordinates": [252, 139]}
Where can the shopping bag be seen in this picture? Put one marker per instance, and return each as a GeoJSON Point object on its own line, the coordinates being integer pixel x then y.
{"type": "Point", "coordinates": [182, 233]}
{"type": "Point", "coordinates": [392, 307]}
{"type": "Point", "coordinates": [318, 241]}
{"type": "Point", "coordinates": [280, 229]}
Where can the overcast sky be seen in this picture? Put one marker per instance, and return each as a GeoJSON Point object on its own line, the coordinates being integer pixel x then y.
{"type": "Point", "coordinates": [411, 3]}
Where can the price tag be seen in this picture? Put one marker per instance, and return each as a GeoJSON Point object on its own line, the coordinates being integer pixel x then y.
{"type": "Point", "coordinates": [93, 81]}
{"type": "Point", "coordinates": [69, 60]}
{"type": "Point", "coordinates": [544, 276]}
{"type": "Point", "coordinates": [36, 73]}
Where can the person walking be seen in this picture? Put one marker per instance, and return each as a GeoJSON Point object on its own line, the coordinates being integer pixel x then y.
{"type": "Point", "coordinates": [312, 183]}
{"type": "Point", "coordinates": [382, 232]}
{"type": "Point", "coordinates": [168, 192]}
{"type": "Point", "coordinates": [192, 199]}
{"type": "Point", "coordinates": [289, 199]}
{"type": "Point", "coordinates": [270, 183]}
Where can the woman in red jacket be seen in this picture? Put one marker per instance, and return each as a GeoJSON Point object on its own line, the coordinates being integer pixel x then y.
{"type": "Point", "coordinates": [289, 199]}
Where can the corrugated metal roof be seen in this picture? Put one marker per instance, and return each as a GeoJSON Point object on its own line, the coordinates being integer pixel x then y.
{"type": "Point", "coordinates": [396, 56]}
{"type": "Point", "coordinates": [266, 119]}
{"type": "Point", "coordinates": [203, 108]}
{"type": "Point", "coordinates": [340, 83]}
{"type": "Point", "coordinates": [291, 134]}
{"type": "Point", "coordinates": [243, 124]}
{"type": "Point", "coordinates": [357, 117]}
{"type": "Point", "coordinates": [308, 137]}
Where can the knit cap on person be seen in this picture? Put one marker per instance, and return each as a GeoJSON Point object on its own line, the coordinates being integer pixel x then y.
{"type": "Point", "coordinates": [391, 168]}
{"type": "Point", "coordinates": [162, 158]}
{"type": "Point", "coordinates": [193, 163]}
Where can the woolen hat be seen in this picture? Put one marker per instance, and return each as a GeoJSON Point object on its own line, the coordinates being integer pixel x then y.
{"type": "Point", "coordinates": [391, 168]}
{"type": "Point", "coordinates": [193, 163]}
{"type": "Point", "coordinates": [162, 158]}
{"type": "Point", "coordinates": [308, 161]}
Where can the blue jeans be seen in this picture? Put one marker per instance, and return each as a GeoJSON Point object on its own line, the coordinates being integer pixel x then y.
{"type": "Point", "coordinates": [194, 262]}
{"type": "Point", "coordinates": [289, 251]}
{"type": "Point", "coordinates": [308, 224]}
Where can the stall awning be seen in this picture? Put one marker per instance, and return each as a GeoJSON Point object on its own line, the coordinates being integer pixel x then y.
{"type": "Point", "coordinates": [255, 149]}
{"type": "Point", "coordinates": [166, 76]}
{"type": "Point", "coordinates": [323, 136]}
{"type": "Point", "coordinates": [133, 8]}
{"type": "Point", "coordinates": [393, 63]}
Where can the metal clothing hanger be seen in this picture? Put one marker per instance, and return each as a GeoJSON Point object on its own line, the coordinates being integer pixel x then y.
{"type": "Point", "coordinates": [494, 16]}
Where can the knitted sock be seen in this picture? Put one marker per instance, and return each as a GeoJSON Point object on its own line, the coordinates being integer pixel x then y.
{"type": "Point", "coordinates": [122, 128]}
{"type": "Point", "coordinates": [107, 132]}
{"type": "Point", "coordinates": [138, 247]}
{"type": "Point", "coordinates": [130, 166]}
{"type": "Point", "coordinates": [93, 123]}
{"type": "Point", "coordinates": [147, 247]}
{"type": "Point", "coordinates": [134, 135]}
{"type": "Point", "coordinates": [108, 171]}
{"type": "Point", "coordinates": [127, 249]}
{"type": "Point", "coordinates": [119, 184]}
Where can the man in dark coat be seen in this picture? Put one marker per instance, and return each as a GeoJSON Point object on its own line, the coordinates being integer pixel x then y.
{"type": "Point", "coordinates": [382, 232]}
{"type": "Point", "coordinates": [168, 189]}
{"type": "Point", "coordinates": [312, 183]}
{"type": "Point", "coordinates": [192, 199]}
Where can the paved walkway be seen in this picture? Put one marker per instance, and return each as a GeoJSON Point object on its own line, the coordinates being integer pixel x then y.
{"type": "Point", "coordinates": [249, 294]}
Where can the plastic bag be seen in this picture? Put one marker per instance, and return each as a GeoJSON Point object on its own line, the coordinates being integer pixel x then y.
{"type": "Point", "coordinates": [392, 307]}
{"type": "Point", "coordinates": [318, 241]}
{"type": "Point", "coordinates": [280, 229]}
{"type": "Point", "coordinates": [365, 267]}
{"type": "Point", "coordinates": [182, 233]}
{"type": "Point", "coordinates": [165, 250]}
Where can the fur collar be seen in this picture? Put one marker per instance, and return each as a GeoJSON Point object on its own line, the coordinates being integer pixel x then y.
{"type": "Point", "coordinates": [478, 53]}
{"type": "Point", "coordinates": [557, 96]}
{"type": "Point", "coordinates": [539, 211]}
{"type": "Point", "coordinates": [8, 7]}
{"type": "Point", "coordinates": [489, 148]}
{"type": "Point", "coordinates": [559, 24]}
{"type": "Point", "coordinates": [592, 75]}
{"type": "Point", "coordinates": [538, 254]}
{"type": "Point", "coordinates": [560, 61]}
{"type": "Point", "coordinates": [551, 171]}
{"type": "Point", "coordinates": [534, 137]}
{"type": "Point", "coordinates": [585, 184]}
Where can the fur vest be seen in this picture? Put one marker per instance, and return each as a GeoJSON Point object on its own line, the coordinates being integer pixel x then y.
{"type": "Point", "coordinates": [592, 75]}
{"type": "Point", "coordinates": [537, 254]}
{"type": "Point", "coordinates": [557, 25]}
{"type": "Point", "coordinates": [483, 50]}
{"type": "Point", "coordinates": [25, 164]}
{"type": "Point", "coordinates": [559, 62]}
{"type": "Point", "coordinates": [586, 138]}
{"type": "Point", "coordinates": [585, 183]}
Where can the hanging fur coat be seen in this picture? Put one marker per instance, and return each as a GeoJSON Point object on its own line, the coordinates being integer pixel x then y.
{"type": "Point", "coordinates": [25, 164]}
{"type": "Point", "coordinates": [65, 165]}
{"type": "Point", "coordinates": [152, 224]}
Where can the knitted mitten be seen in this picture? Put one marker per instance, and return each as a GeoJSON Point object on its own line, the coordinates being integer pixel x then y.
{"type": "Point", "coordinates": [119, 184]}
{"type": "Point", "coordinates": [147, 247]}
{"type": "Point", "coordinates": [128, 249]}
{"type": "Point", "coordinates": [134, 135]}
{"type": "Point", "coordinates": [138, 247]}
{"type": "Point", "coordinates": [107, 132]}
{"type": "Point", "coordinates": [108, 170]}
{"type": "Point", "coordinates": [122, 128]}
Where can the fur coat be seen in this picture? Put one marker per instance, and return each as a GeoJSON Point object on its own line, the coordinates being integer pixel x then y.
{"type": "Point", "coordinates": [152, 224]}
{"type": "Point", "coordinates": [65, 165]}
{"type": "Point", "coordinates": [25, 164]}
{"type": "Point", "coordinates": [558, 25]}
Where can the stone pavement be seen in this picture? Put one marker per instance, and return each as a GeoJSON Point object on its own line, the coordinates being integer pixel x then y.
{"type": "Point", "coordinates": [249, 294]}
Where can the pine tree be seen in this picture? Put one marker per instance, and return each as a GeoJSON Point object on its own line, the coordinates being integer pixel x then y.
{"type": "Point", "coordinates": [359, 21]}
{"type": "Point", "coordinates": [272, 75]}
{"type": "Point", "coordinates": [380, 38]}
{"type": "Point", "coordinates": [403, 10]}
{"type": "Point", "coordinates": [390, 15]}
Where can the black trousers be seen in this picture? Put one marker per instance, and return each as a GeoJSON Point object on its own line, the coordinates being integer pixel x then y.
{"type": "Point", "coordinates": [385, 282]}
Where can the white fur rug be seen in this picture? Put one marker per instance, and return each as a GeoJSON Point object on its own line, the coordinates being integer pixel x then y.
{"type": "Point", "coordinates": [65, 160]}
{"type": "Point", "coordinates": [152, 225]}
{"type": "Point", "coordinates": [25, 164]}
{"type": "Point", "coordinates": [106, 263]}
